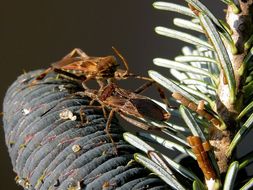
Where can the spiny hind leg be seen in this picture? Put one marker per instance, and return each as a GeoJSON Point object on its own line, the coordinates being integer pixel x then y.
{"type": "Point", "coordinates": [137, 123]}
{"type": "Point", "coordinates": [143, 87]}
{"type": "Point", "coordinates": [41, 76]}
{"type": "Point", "coordinates": [163, 97]}
{"type": "Point", "coordinates": [161, 92]}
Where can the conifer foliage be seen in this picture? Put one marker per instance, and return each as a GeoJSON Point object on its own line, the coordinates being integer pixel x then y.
{"type": "Point", "coordinates": [212, 83]}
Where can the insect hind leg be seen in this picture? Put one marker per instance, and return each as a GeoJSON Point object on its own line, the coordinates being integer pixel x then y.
{"type": "Point", "coordinates": [163, 97]}
{"type": "Point", "coordinates": [41, 76]}
{"type": "Point", "coordinates": [161, 92]}
{"type": "Point", "coordinates": [143, 87]}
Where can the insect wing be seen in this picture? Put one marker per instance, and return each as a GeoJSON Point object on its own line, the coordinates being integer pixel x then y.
{"type": "Point", "coordinates": [64, 62]}
{"type": "Point", "coordinates": [150, 109]}
{"type": "Point", "coordinates": [123, 105]}
{"type": "Point", "coordinates": [115, 102]}
{"type": "Point", "coordinates": [105, 62]}
{"type": "Point", "coordinates": [76, 65]}
{"type": "Point", "coordinates": [82, 66]}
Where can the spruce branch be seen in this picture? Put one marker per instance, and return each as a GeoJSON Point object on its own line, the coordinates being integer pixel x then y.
{"type": "Point", "coordinates": [216, 69]}
{"type": "Point", "coordinates": [241, 26]}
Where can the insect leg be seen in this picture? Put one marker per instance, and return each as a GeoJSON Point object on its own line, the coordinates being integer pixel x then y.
{"type": "Point", "coordinates": [140, 77]}
{"type": "Point", "coordinates": [107, 128]}
{"type": "Point", "coordinates": [84, 85]}
{"type": "Point", "coordinates": [104, 111]}
{"type": "Point", "coordinates": [41, 76]}
{"type": "Point", "coordinates": [92, 94]}
{"type": "Point", "coordinates": [139, 124]}
{"type": "Point", "coordinates": [158, 158]}
{"type": "Point", "coordinates": [100, 83]}
{"type": "Point", "coordinates": [163, 97]}
{"type": "Point", "coordinates": [83, 117]}
{"type": "Point", "coordinates": [66, 76]}
{"type": "Point", "coordinates": [144, 87]}
{"type": "Point", "coordinates": [159, 89]}
{"type": "Point", "coordinates": [75, 53]}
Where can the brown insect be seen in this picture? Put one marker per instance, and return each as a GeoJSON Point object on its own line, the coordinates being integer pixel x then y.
{"type": "Point", "coordinates": [198, 108]}
{"type": "Point", "coordinates": [127, 103]}
{"type": "Point", "coordinates": [200, 150]}
{"type": "Point", "coordinates": [78, 65]}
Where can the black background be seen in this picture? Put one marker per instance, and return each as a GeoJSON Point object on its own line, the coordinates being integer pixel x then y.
{"type": "Point", "coordinates": [35, 33]}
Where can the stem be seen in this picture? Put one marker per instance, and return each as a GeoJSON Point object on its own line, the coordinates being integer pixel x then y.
{"type": "Point", "coordinates": [242, 28]}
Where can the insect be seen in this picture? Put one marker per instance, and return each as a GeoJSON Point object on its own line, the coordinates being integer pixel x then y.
{"type": "Point", "coordinates": [78, 65]}
{"type": "Point", "coordinates": [196, 108]}
{"type": "Point", "coordinates": [200, 150]}
{"type": "Point", "coordinates": [127, 103]}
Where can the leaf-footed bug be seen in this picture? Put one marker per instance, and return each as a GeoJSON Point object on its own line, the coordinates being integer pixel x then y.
{"type": "Point", "coordinates": [77, 65]}
{"type": "Point", "coordinates": [127, 104]}
{"type": "Point", "coordinates": [80, 66]}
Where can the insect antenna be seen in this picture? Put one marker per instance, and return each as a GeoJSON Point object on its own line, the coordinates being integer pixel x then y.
{"type": "Point", "coordinates": [123, 60]}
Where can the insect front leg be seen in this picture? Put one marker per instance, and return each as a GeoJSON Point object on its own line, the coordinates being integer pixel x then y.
{"type": "Point", "coordinates": [83, 116]}
{"type": "Point", "coordinates": [101, 106]}
{"type": "Point", "coordinates": [94, 97]}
